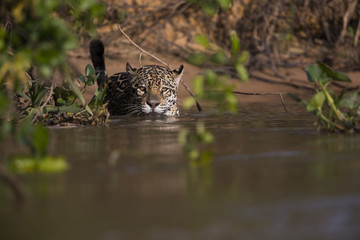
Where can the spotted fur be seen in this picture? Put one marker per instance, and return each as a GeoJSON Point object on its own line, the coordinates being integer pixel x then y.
{"type": "Point", "coordinates": [151, 89]}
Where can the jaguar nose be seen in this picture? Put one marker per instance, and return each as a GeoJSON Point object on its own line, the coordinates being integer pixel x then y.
{"type": "Point", "coordinates": [153, 103]}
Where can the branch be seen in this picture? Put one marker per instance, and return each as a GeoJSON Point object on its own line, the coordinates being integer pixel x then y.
{"type": "Point", "coordinates": [191, 94]}
{"type": "Point", "coordinates": [263, 79]}
{"type": "Point", "coordinates": [346, 19]}
{"type": "Point", "coordinates": [46, 101]}
{"type": "Point", "coordinates": [266, 93]}
{"type": "Point", "coordinates": [141, 49]}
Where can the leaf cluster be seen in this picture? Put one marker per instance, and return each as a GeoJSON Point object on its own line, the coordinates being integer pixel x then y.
{"type": "Point", "coordinates": [211, 87]}
{"type": "Point", "coordinates": [334, 111]}
{"type": "Point", "coordinates": [233, 59]}
{"type": "Point", "coordinates": [37, 34]}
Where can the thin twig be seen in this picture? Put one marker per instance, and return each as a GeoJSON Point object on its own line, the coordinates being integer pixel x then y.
{"type": "Point", "coordinates": [267, 93]}
{"type": "Point", "coordinates": [140, 55]}
{"type": "Point", "coordinates": [346, 19]}
{"type": "Point", "coordinates": [189, 91]}
{"type": "Point", "coordinates": [283, 103]}
{"type": "Point", "coordinates": [263, 94]}
{"type": "Point", "coordinates": [46, 101]}
{"type": "Point", "coordinates": [357, 34]}
{"type": "Point", "coordinates": [159, 60]}
{"type": "Point", "coordinates": [142, 50]}
{"type": "Point", "coordinates": [263, 79]}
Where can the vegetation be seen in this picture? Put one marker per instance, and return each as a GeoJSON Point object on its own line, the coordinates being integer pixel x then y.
{"type": "Point", "coordinates": [212, 87]}
{"type": "Point", "coordinates": [334, 112]}
{"type": "Point", "coordinates": [34, 40]}
{"type": "Point", "coordinates": [38, 87]}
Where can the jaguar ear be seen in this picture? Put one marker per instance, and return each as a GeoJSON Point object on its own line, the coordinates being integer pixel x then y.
{"type": "Point", "coordinates": [130, 69]}
{"type": "Point", "coordinates": [178, 74]}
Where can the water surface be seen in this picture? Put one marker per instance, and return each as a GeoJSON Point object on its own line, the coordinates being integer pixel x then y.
{"type": "Point", "coordinates": [273, 176]}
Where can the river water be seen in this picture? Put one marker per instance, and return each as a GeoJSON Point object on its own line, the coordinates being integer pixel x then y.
{"type": "Point", "coordinates": [273, 176]}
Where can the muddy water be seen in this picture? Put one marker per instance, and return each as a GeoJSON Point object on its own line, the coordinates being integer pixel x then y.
{"type": "Point", "coordinates": [272, 177]}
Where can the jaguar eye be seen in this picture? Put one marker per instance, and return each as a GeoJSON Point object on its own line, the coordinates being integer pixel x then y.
{"type": "Point", "coordinates": [141, 90]}
{"type": "Point", "coordinates": [164, 90]}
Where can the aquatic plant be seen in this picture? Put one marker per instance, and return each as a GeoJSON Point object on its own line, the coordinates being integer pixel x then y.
{"type": "Point", "coordinates": [334, 111]}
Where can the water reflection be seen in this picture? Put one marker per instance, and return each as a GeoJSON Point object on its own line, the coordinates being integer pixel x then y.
{"type": "Point", "coordinates": [272, 177]}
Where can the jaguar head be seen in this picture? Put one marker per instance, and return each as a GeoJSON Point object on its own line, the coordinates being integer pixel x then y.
{"type": "Point", "coordinates": [155, 89]}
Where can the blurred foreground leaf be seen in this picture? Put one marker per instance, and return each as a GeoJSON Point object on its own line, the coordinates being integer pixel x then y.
{"type": "Point", "coordinates": [46, 164]}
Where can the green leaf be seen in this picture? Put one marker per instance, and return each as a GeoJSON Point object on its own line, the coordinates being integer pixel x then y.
{"type": "Point", "coordinates": [242, 72]}
{"type": "Point", "coordinates": [243, 58]}
{"type": "Point", "coordinates": [197, 58]}
{"type": "Point", "coordinates": [315, 74]}
{"type": "Point", "coordinates": [188, 103]}
{"type": "Point", "coordinates": [82, 79]}
{"type": "Point", "coordinates": [235, 43]}
{"type": "Point", "coordinates": [211, 79]}
{"type": "Point", "coordinates": [209, 7]}
{"type": "Point", "coordinates": [335, 75]}
{"type": "Point", "coordinates": [60, 102]}
{"type": "Point", "coordinates": [37, 92]}
{"type": "Point", "coordinates": [46, 164]}
{"type": "Point", "coordinates": [349, 100]}
{"type": "Point", "coordinates": [46, 71]}
{"type": "Point", "coordinates": [67, 95]}
{"type": "Point", "coordinates": [198, 84]}
{"type": "Point", "coordinates": [52, 164]}
{"type": "Point", "coordinates": [316, 102]}
{"type": "Point", "coordinates": [202, 40]}
{"type": "Point", "coordinates": [40, 140]}
{"type": "Point", "coordinates": [89, 71]}
{"type": "Point", "coordinates": [90, 81]}
{"type": "Point", "coordinates": [193, 154]}
{"type": "Point", "coordinates": [224, 4]}
{"type": "Point", "coordinates": [219, 57]}
{"type": "Point", "coordinates": [79, 95]}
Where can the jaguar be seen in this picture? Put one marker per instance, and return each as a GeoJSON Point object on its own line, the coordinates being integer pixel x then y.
{"type": "Point", "coordinates": [148, 90]}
